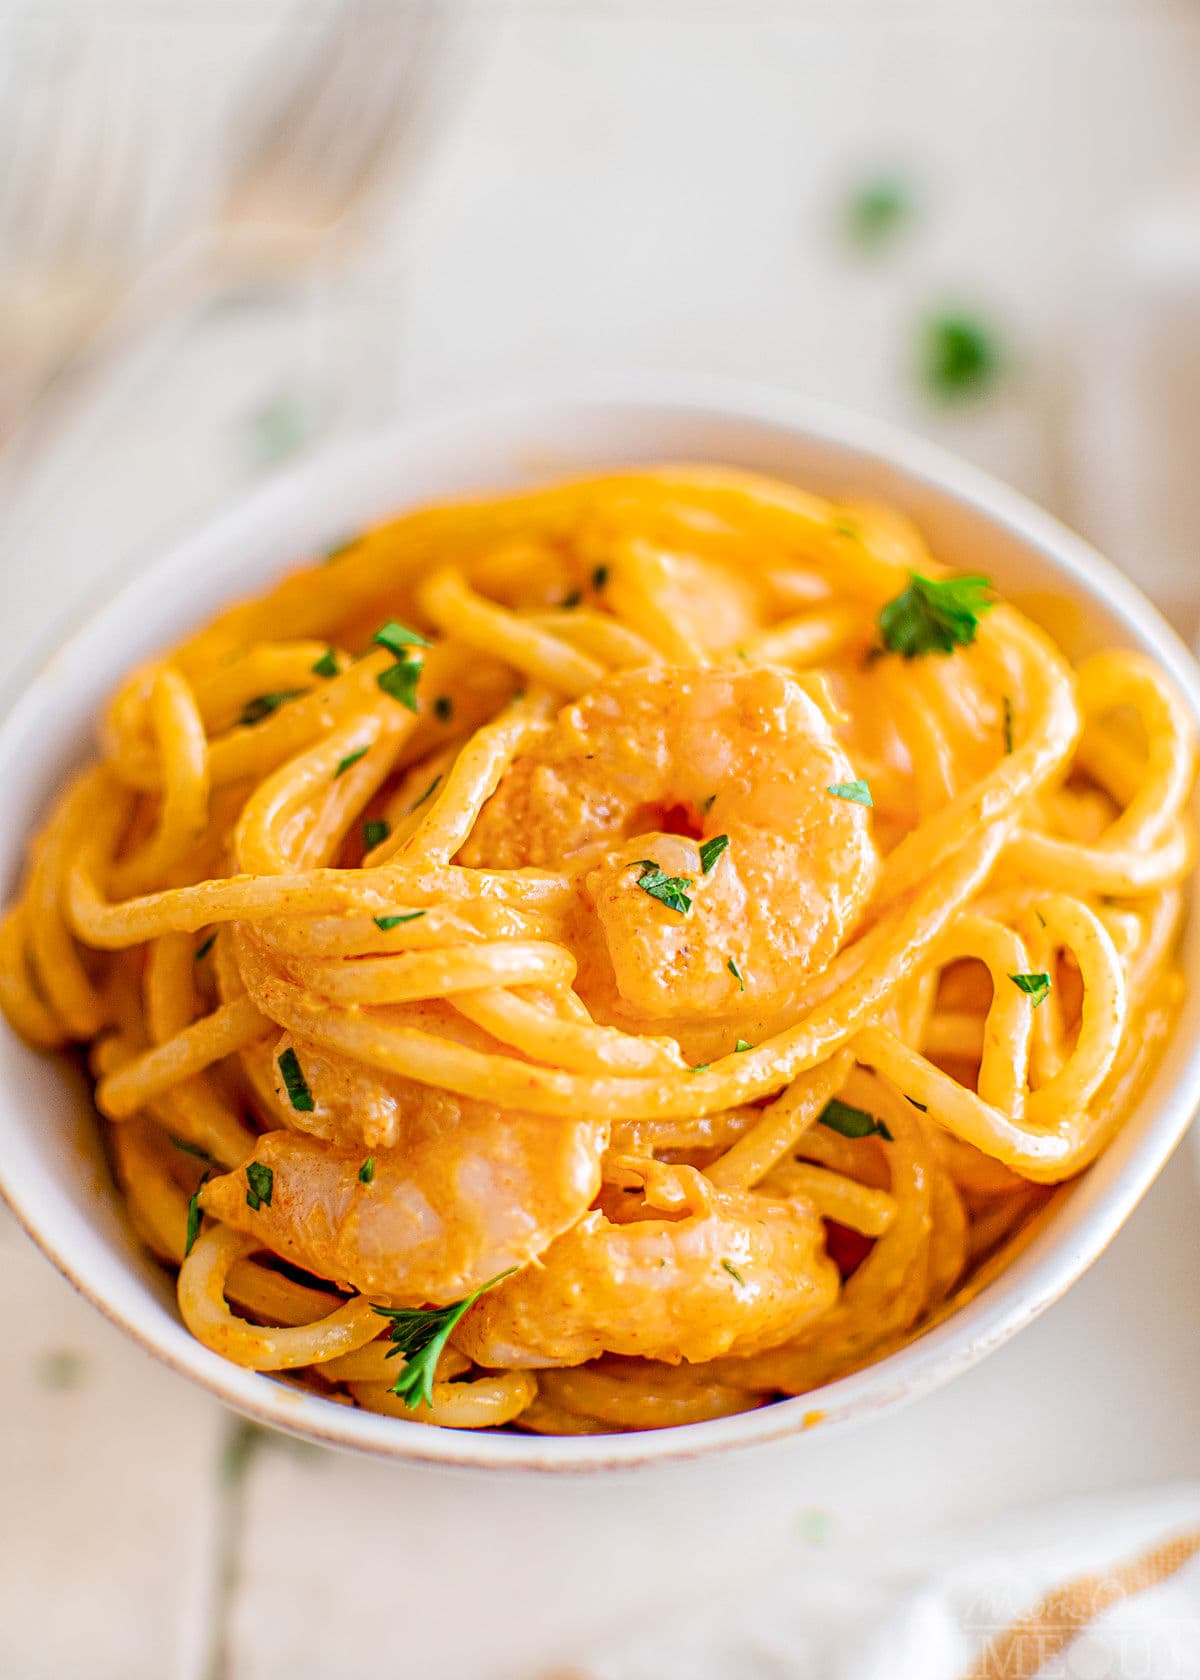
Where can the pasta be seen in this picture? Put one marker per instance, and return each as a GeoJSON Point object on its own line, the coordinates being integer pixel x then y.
{"type": "Point", "coordinates": [610, 956]}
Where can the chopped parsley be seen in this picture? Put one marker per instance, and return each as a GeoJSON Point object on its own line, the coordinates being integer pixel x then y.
{"type": "Point", "coordinates": [386, 923]}
{"type": "Point", "coordinates": [847, 528]}
{"type": "Point", "coordinates": [397, 637]}
{"type": "Point", "coordinates": [706, 805]}
{"type": "Point", "coordinates": [1035, 986]}
{"type": "Point", "coordinates": [571, 600]}
{"type": "Point", "coordinates": [260, 1183]}
{"type": "Point", "coordinates": [299, 1095]}
{"type": "Point", "coordinates": [337, 549]}
{"type": "Point", "coordinates": [420, 1334]}
{"type": "Point", "coordinates": [194, 1216]}
{"type": "Point", "coordinates": [327, 665]}
{"type": "Point", "coordinates": [733, 968]}
{"type": "Point", "coordinates": [670, 890]}
{"type": "Point", "coordinates": [935, 615]}
{"type": "Point", "coordinates": [443, 708]}
{"type": "Point", "coordinates": [400, 681]}
{"type": "Point", "coordinates": [345, 763]}
{"type": "Point", "coordinates": [858, 792]}
{"type": "Point", "coordinates": [701, 1067]}
{"type": "Point", "coordinates": [742, 1045]}
{"type": "Point", "coordinates": [205, 946]}
{"type": "Point", "coordinates": [733, 1271]}
{"type": "Point", "coordinates": [960, 356]}
{"type": "Point", "coordinates": [1008, 725]}
{"type": "Point", "coordinates": [711, 850]}
{"type": "Point", "coordinates": [192, 1149]}
{"type": "Point", "coordinates": [599, 577]}
{"type": "Point", "coordinates": [852, 1122]}
{"type": "Point", "coordinates": [366, 1172]}
{"type": "Point", "coordinates": [416, 805]}
{"type": "Point", "coordinates": [876, 211]}
{"type": "Point", "coordinates": [254, 711]}
{"type": "Point", "coordinates": [375, 832]}
{"type": "Point", "coordinates": [924, 1107]}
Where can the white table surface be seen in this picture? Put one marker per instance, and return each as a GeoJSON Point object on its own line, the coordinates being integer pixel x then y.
{"type": "Point", "coordinates": [610, 184]}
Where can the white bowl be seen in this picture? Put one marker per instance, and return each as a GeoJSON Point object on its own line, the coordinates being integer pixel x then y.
{"type": "Point", "coordinates": [51, 1168]}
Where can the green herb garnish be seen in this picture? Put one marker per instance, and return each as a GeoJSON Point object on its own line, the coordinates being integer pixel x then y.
{"type": "Point", "coordinates": [297, 1086]}
{"type": "Point", "coordinates": [366, 1172]}
{"type": "Point", "coordinates": [960, 356]}
{"type": "Point", "coordinates": [327, 665]}
{"type": "Point", "coordinates": [876, 211]}
{"type": "Point", "coordinates": [192, 1149]}
{"type": "Point", "coordinates": [733, 1271]}
{"type": "Point", "coordinates": [1035, 986]}
{"type": "Point", "coordinates": [205, 947]}
{"type": "Point", "coordinates": [260, 1181]}
{"type": "Point", "coordinates": [420, 1334]}
{"type": "Point", "coordinates": [852, 1122]}
{"type": "Point", "coordinates": [935, 615]}
{"type": "Point", "coordinates": [599, 577]}
{"type": "Point", "coordinates": [736, 972]}
{"type": "Point", "coordinates": [443, 708]}
{"type": "Point", "coordinates": [857, 792]}
{"type": "Point", "coordinates": [711, 851]}
{"type": "Point", "coordinates": [386, 923]}
{"type": "Point", "coordinates": [335, 550]}
{"type": "Point", "coordinates": [1008, 725]}
{"type": "Point", "coordinates": [375, 832]}
{"type": "Point", "coordinates": [400, 681]}
{"type": "Point", "coordinates": [670, 890]}
{"type": "Point", "coordinates": [742, 1045]}
{"type": "Point", "coordinates": [397, 637]}
{"type": "Point", "coordinates": [571, 600]}
{"type": "Point", "coordinates": [345, 763]}
{"type": "Point", "coordinates": [416, 806]}
{"type": "Point", "coordinates": [194, 1216]}
{"type": "Point", "coordinates": [254, 711]}
{"type": "Point", "coordinates": [706, 805]}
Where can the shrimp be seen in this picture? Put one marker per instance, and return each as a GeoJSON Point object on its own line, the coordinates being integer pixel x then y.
{"type": "Point", "coordinates": [473, 1191]}
{"type": "Point", "coordinates": [732, 1271]}
{"type": "Point", "coordinates": [642, 770]}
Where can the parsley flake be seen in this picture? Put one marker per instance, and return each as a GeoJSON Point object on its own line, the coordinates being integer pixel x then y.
{"type": "Point", "coordinates": [1035, 986]}
{"type": "Point", "coordinates": [327, 665]}
{"type": "Point", "coordinates": [935, 615]}
{"type": "Point", "coordinates": [205, 946]}
{"type": "Point", "coordinates": [337, 549]}
{"type": "Point", "coordinates": [366, 1172]}
{"type": "Point", "coordinates": [733, 968]}
{"type": "Point", "coordinates": [742, 1045]}
{"type": "Point", "coordinates": [443, 708]}
{"type": "Point", "coordinates": [192, 1149]}
{"type": "Point", "coordinates": [960, 356]}
{"type": "Point", "coordinates": [400, 681]}
{"type": "Point", "coordinates": [300, 1096]}
{"type": "Point", "coordinates": [852, 1122]}
{"type": "Point", "coordinates": [733, 1272]}
{"type": "Point", "coordinates": [571, 600]}
{"type": "Point", "coordinates": [260, 1184]}
{"type": "Point", "coordinates": [876, 211]}
{"type": "Point", "coordinates": [670, 890]}
{"type": "Point", "coordinates": [706, 805]}
{"type": "Point", "coordinates": [420, 1334]}
{"type": "Point", "coordinates": [711, 850]}
{"type": "Point", "coordinates": [194, 1216]}
{"type": "Point", "coordinates": [416, 806]}
{"type": "Point", "coordinates": [599, 577]}
{"type": "Point", "coordinates": [1008, 724]}
{"type": "Point", "coordinates": [375, 832]}
{"type": "Point", "coordinates": [857, 792]}
{"type": "Point", "coordinates": [254, 711]}
{"type": "Point", "coordinates": [350, 758]}
{"type": "Point", "coordinates": [397, 637]}
{"type": "Point", "coordinates": [386, 923]}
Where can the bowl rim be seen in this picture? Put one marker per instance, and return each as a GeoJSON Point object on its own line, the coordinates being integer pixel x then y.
{"type": "Point", "coordinates": [1055, 1259]}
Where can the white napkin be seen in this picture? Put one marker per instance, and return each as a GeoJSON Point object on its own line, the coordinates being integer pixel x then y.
{"type": "Point", "coordinates": [1101, 1589]}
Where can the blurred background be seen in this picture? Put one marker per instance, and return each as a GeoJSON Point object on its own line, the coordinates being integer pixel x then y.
{"type": "Point", "coordinates": [233, 231]}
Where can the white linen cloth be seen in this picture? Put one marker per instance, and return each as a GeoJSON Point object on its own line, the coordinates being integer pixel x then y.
{"type": "Point", "coordinates": [934, 1616]}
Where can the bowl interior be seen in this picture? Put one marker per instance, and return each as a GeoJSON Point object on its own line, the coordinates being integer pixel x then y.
{"type": "Point", "coordinates": [51, 1167]}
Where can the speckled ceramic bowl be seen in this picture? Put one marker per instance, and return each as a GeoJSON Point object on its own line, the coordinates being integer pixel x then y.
{"type": "Point", "coordinates": [52, 1170]}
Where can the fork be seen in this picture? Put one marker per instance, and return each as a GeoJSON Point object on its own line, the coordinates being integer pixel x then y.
{"type": "Point", "coordinates": [77, 213]}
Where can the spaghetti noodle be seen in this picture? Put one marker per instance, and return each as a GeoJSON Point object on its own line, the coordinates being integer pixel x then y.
{"type": "Point", "coordinates": [610, 956]}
